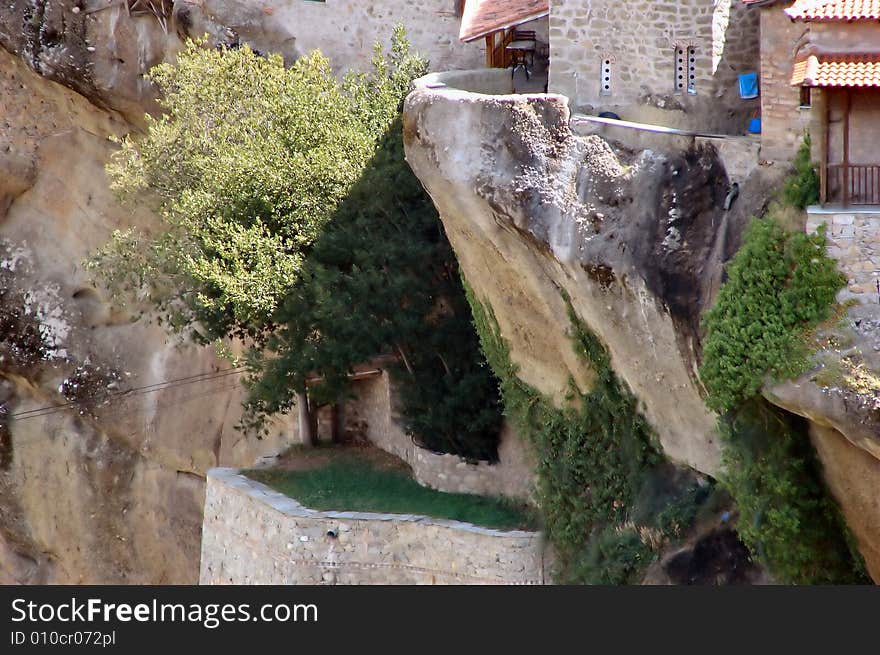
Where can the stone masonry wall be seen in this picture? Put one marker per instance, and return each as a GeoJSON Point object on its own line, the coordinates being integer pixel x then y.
{"type": "Point", "coordinates": [253, 535]}
{"type": "Point", "coordinates": [345, 30]}
{"type": "Point", "coordinates": [854, 241]}
{"type": "Point", "coordinates": [374, 414]}
{"type": "Point", "coordinates": [782, 120]}
{"type": "Point", "coordinates": [640, 39]}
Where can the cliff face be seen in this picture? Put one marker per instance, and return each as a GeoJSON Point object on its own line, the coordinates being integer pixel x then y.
{"type": "Point", "coordinates": [112, 489]}
{"type": "Point", "coordinates": [102, 51]}
{"type": "Point", "coordinates": [99, 493]}
{"type": "Point", "coordinates": [636, 240]}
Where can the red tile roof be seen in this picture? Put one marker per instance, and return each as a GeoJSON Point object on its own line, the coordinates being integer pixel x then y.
{"type": "Point", "coordinates": [809, 10]}
{"type": "Point", "coordinates": [482, 17]}
{"type": "Point", "coordinates": [837, 70]}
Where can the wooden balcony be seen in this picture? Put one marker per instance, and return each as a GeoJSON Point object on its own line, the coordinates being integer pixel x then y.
{"type": "Point", "coordinates": [850, 184]}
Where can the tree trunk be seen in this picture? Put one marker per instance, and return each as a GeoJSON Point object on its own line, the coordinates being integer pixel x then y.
{"type": "Point", "coordinates": [307, 431]}
{"type": "Point", "coordinates": [336, 423]}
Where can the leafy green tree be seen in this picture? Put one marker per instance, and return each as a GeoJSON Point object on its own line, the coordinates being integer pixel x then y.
{"type": "Point", "coordinates": [382, 278]}
{"type": "Point", "coordinates": [292, 219]}
{"type": "Point", "coordinates": [247, 163]}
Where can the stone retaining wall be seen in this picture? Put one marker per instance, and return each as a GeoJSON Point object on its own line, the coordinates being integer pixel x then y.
{"type": "Point", "coordinates": [374, 410]}
{"type": "Point", "coordinates": [854, 241]}
{"type": "Point", "coordinates": [253, 535]}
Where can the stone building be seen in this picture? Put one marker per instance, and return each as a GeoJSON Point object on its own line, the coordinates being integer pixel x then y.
{"type": "Point", "coordinates": [837, 70]}
{"type": "Point", "coordinates": [676, 63]}
{"type": "Point", "coordinates": [345, 30]}
{"type": "Point", "coordinates": [784, 117]}
{"type": "Point", "coordinates": [820, 72]}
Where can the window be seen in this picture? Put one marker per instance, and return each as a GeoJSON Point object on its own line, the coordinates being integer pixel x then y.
{"type": "Point", "coordinates": [806, 97]}
{"type": "Point", "coordinates": [685, 69]}
{"type": "Point", "coordinates": [605, 80]}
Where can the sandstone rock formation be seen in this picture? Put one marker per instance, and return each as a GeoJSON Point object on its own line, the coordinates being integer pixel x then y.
{"type": "Point", "coordinates": [637, 240]}
{"type": "Point", "coordinates": [111, 493]}
{"type": "Point", "coordinates": [840, 396]}
{"type": "Point", "coordinates": [114, 493]}
{"type": "Point", "coordinates": [103, 49]}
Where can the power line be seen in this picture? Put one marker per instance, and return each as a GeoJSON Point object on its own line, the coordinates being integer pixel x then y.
{"type": "Point", "coordinates": [136, 391]}
{"type": "Point", "coordinates": [21, 440]}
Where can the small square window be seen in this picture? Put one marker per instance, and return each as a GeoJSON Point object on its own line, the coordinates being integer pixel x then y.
{"type": "Point", "coordinates": [605, 79]}
{"type": "Point", "coordinates": [806, 97]}
{"type": "Point", "coordinates": [692, 70]}
{"type": "Point", "coordinates": [685, 70]}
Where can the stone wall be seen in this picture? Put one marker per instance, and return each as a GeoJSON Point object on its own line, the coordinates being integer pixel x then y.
{"type": "Point", "coordinates": [854, 241]}
{"type": "Point", "coordinates": [639, 39]}
{"type": "Point", "coordinates": [374, 414]}
{"type": "Point", "coordinates": [253, 535]}
{"type": "Point", "coordinates": [783, 122]}
{"type": "Point", "coordinates": [345, 30]}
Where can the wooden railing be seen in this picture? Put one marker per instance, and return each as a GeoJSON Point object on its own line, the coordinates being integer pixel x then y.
{"type": "Point", "coordinates": [852, 184]}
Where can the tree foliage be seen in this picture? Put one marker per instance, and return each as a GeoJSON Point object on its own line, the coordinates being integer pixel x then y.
{"type": "Point", "coordinates": [597, 461]}
{"type": "Point", "coordinates": [292, 219]}
{"type": "Point", "coordinates": [786, 516]}
{"type": "Point", "coordinates": [779, 285]}
{"type": "Point", "coordinates": [383, 278]}
{"type": "Point", "coordinates": [247, 163]}
{"type": "Point", "coordinates": [802, 188]}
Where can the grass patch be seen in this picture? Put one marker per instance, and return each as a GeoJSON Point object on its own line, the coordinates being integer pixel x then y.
{"type": "Point", "coordinates": [348, 482]}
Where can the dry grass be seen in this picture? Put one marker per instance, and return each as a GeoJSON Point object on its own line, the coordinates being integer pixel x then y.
{"type": "Point", "coordinates": [862, 380]}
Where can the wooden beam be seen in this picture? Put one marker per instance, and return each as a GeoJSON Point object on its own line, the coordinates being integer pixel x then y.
{"type": "Point", "coordinates": [847, 101]}
{"type": "Point", "coordinates": [827, 95]}
{"type": "Point", "coordinates": [490, 50]}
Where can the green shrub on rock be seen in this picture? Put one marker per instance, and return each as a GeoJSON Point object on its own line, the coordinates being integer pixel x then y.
{"type": "Point", "coordinates": [787, 518]}
{"type": "Point", "coordinates": [802, 189]}
{"type": "Point", "coordinates": [779, 286]}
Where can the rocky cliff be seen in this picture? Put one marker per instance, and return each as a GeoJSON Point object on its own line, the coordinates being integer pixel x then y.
{"type": "Point", "coordinates": [109, 487]}
{"type": "Point", "coordinates": [637, 238]}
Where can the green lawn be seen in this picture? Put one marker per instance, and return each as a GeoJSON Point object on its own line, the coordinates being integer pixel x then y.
{"type": "Point", "coordinates": [346, 482]}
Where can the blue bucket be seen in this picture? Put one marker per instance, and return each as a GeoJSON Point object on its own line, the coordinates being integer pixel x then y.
{"type": "Point", "coordinates": [755, 126]}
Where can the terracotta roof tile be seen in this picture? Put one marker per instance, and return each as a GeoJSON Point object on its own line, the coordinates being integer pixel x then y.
{"type": "Point", "coordinates": [483, 17]}
{"type": "Point", "coordinates": [837, 70]}
{"type": "Point", "coordinates": [810, 10]}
